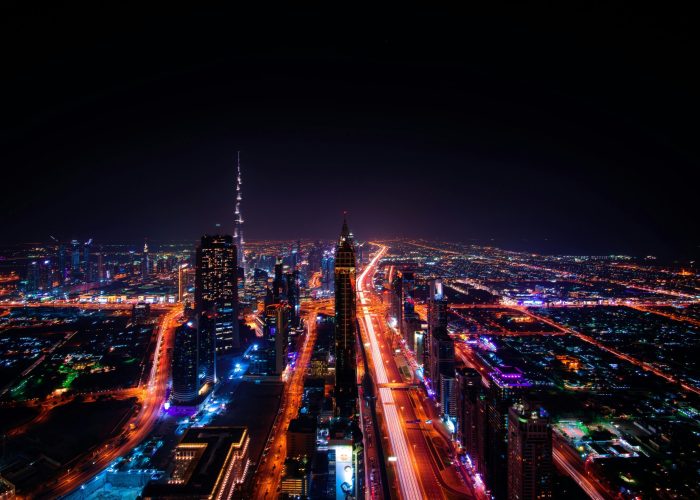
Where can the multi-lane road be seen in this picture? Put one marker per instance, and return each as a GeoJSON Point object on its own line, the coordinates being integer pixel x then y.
{"type": "Point", "coordinates": [269, 472]}
{"type": "Point", "coordinates": [417, 465]}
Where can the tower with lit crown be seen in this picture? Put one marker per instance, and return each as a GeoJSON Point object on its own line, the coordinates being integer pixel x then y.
{"type": "Point", "coordinates": [238, 217]}
{"type": "Point", "coordinates": [145, 262]}
{"type": "Point", "coordinates": [345, 321]}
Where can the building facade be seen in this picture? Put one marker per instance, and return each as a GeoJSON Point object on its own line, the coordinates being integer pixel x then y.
{"type": "Point", "coordinates": [216, 288]}
{"type": "Point", "coordinates": [529, 453]}
{"type": "Point", "coordinates": [345, 324]}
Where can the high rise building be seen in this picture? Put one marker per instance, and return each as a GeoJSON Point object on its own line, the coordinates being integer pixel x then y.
{"type": "Point", "coordinates": [75, 257]}
{"type": "Point", "coordinates": [216, 288]}
{"type": "Point", "coordinates": [86, 264]}
{"type": "Point", "coordinates": [293, 296]}
{"type": "Point", "coordinates": [61, 261]}
{"type": "Point", "coordinates": [278, 281]}
{"type": "Point", "coordinates": [408, 320]}
{"type": "Point", "coordinates": [327, 266]}
{"type": "Point", "coordinates": [208, 325]}
{"type": "Point", "coordinates": [277, 334]}
{"type": "Point", "coordinates": [448, 399]}
{"type": "Point", "coordinates": [529, 453]}
{"type": "Point", "coordinates": [469, 424]}
{"type": "Point", "coordinates": [442, 360]}
{"type": "Point", "coordinates": [100, 267]}
{"type": "Point", "coordinates": [345, 325]}
{"type": "Point", "coordinates": [396, 298]}
{"type": "Point", "coordinates": [238, 216]}
{"type": "Point", "coordinates": [437, 315]}
{"type": "Point", "coordinates": [506, 385]}
{"type": "Point", "coordinates": [314, 257]}
{"type": "Point", "coordinates": [32, 281]}
{"type": "Point", "coordinates": [181, 281]}
{"type": "Point", "coordinates": [145, 262]}
{"type": "Point", "coordinates": [185, 364]}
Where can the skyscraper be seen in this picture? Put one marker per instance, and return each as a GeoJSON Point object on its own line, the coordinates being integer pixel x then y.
{"type": "Point", "coordinates": [145, 262]}
{"type": "Point", "coordinates": [529, 453]}
{"type": "Point", "coordinates": [278, 280]}
{"type": "Point", "coordinates": [209, 325]}
{"type": "Point", "coordinates": [216, 288]}
{"type": "Point", "coordinates": [469, 423]}
{"type": "Point", "coordinates": [506, 384]}
{"type": "Point", "coordinates": [181, 281]}
{"type": "Point", "coordinates": [75, 257]}
{"type": "Point", "coordinates": [442, 360]}
{"type": "Point", "coordinates": [277, 334]}
{"type": "Point", "coordinates": [437, 316]}
{"type": "Point", "coordinates": [185, 364]}
{"type": "Point", "coordinates": [61, 261]}
{"type": "Point", "coordinates": [327, 266]}
{"type": "Point", "coordinates": [238, 216]}
{"type": "Point", "coordinates": [86, 264]}
{"type": "Point", "coordinates": [293, 296]}
{"type": "Point", "coordinates": [100, 267]}
{"type": "Point", "coordinates": [345, 325]}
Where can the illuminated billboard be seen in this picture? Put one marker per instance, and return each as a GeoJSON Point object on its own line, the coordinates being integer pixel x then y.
{"type": "Point", "coordinates": [344, 471]}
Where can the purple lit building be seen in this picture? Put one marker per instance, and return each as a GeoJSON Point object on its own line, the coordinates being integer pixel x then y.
{"type": "Point", "coordinates": [506, 388]}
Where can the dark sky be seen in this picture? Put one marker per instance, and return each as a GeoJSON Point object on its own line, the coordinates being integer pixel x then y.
{"type": "Point", "coordinates": [546, 130]}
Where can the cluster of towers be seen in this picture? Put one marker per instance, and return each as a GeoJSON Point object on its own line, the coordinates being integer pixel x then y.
{"type": "Point", "coordinates": [281, 314]}
{"type": "Point", "coordinates": [212, 323]}
{"type": "Point", "coordinates": [67, 266]}
{"type": "Point", "coordinates": [507, 437]}
{"type": "Point", "coordinates": [68, 263]}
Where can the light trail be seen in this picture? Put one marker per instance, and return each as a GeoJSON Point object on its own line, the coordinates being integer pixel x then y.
{"type": "Point", "coordinates": [408, 481]}
{"type": "Point", "coordinates": [580, 479]}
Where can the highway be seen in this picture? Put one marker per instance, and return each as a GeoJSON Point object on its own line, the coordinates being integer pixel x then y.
{"type": "Point", "coordinates": [416, 465]}
{"type": "Point", "coordinates": [151, 395]}
{"type": "Point", "coordinates": [404, 464]}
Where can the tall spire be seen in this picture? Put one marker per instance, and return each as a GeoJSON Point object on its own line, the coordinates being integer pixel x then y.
{"type": "Point", "coordinates": [238, 217]}
{"type": "Point", "coordinates": [345, 232]}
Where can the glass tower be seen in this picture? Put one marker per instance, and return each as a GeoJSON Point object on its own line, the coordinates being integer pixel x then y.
{"type": "Point", "coordinates": [345, 325]}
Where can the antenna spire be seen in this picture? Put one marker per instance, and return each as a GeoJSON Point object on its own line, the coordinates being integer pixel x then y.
{"type": "Point", "coordinates": [238, 217]}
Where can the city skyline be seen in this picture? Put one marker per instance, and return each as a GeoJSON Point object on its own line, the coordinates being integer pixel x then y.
{"type": "Point", "coordinates": [469, 270]}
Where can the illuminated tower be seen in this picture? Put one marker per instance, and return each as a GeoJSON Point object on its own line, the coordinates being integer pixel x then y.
{"type": "Point", "coordinates": [238, 217]}
{"type": "Point", "coordinates": [529, 453]}
{"type": "Point", "coordinates": [75, 258]}
{"type": "Point", "coordinates": [506, 386]}
{"type": "Point", "coordinates": [469, 422]}
{"type": "Point", "coordinates": [86, 267]}
{"type": "Point", "coordinates": [278, 281]}
{"type": "Point", "coordinates": [437, 319]}
{"type": "Point", "coordinates": [185, 364]}
{"type": "Point", "coordinates": [145, 262]}
{"type": "Point", "coordinates": [216, 297]}
{"type": "Point", "coordinates": [345, 321]}
{"type": "Point", "coordinates": [181, 283]}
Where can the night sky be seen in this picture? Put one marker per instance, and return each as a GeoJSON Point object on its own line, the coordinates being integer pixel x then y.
{"type": "Point", "coordinates": [551, 131]}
